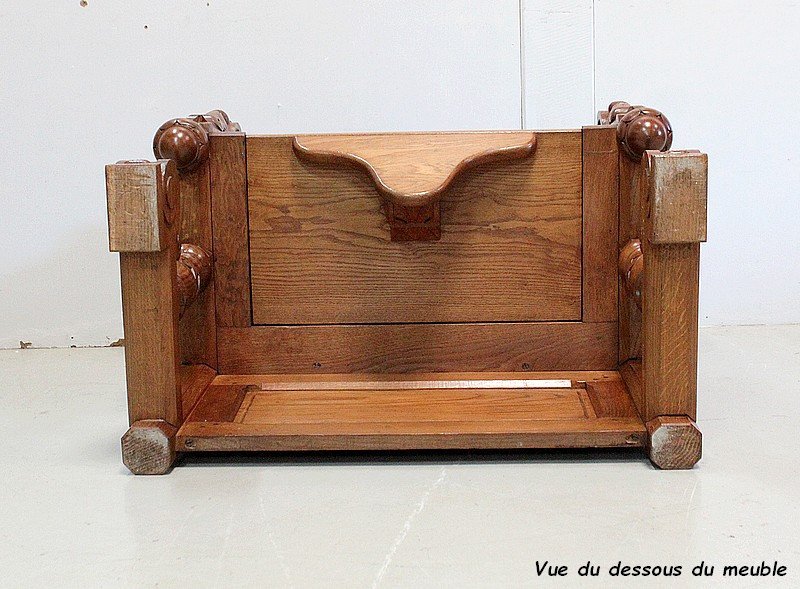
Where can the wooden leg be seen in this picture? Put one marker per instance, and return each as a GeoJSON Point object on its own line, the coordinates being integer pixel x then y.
{"type": "Point", "coordinates": [148, 447]}
{"type": "Point", "coordinates": [675, 442]}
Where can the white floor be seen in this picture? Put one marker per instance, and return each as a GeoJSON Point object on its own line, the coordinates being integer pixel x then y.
{"type": "Point", "coordinates": [72, 516]}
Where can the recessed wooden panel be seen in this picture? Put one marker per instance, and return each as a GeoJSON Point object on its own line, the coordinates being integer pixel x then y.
{"type": "Point", "coordinates": [399, 406]}
{"type": "Point", "coordinates": [510, 249]}
{"type": "Point", "coordinates": [307, 415]}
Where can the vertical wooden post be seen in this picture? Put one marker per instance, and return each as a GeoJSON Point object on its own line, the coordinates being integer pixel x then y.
{"type": "Point", "coordinates": [673, 227]}
{"type": "Point", "coordinates": [143, 215]}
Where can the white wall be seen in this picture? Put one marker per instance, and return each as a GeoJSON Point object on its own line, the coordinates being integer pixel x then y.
{"type": "Point", "coordinates": [84, 86]}
{"type": "Point", "coordinates": [727, 76]}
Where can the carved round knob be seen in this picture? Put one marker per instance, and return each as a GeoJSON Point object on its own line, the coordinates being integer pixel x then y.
{"type": "Point", "coordinates": [641, 129]}
{"type": "Point", "coordinates": [194, 272]}
{"type": "Point", "coordinates": [183, 140]}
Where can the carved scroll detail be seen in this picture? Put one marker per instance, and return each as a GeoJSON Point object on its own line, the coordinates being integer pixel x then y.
{"type": "Point", "coordinates": [631, 268]}
{"type": "Point", "coordinates": [194, 273]}
{"type": "Point", "coordinates": [185, 140]}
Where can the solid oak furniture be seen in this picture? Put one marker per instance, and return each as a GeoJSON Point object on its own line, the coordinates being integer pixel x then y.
{"type": "Point", "coordinates": [410, 291]}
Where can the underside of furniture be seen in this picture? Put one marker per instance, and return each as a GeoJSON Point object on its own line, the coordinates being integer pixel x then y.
{"type": "Point", "coordinates": [410, 291]}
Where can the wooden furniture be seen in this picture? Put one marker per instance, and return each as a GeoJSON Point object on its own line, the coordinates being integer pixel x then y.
{"type": "Point", "coordinates": [409, 291]}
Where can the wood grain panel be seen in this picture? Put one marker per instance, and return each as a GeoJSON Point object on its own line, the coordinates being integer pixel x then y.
{"type": "Point", "coordinates": [510, 248]}
{"type": "Point", "coordinates": [670, 308]}
{"type": "Point", "coordinates": [402, 406]}
{"type": "Point", "coordinates": [418, 348]}
{"type": "Point", "coordinates": [600, 213]}
{"type": "Point", "coordinates": [228, 163]}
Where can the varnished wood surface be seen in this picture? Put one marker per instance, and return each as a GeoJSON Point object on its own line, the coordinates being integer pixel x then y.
{"type": "Point", "coordinates": [320, 249]}
{"type": "Point", "coordinates": [246, 417]}
{"type": "Point", "coordinates": [403, 405]}
{"type": "Point", "coordinates": [610, 398]}
{"type": "Point", "coordinates": [194, 379]}
{"type": "Point", "coordinates": [418, 348]}
{"type": "Point", "coordinates": [197, 331]}
{"type": "Point", "coordinates": [600, 223]}
{"type": "Point", "coordinates": [228, 169]}
{"type": "Point", "coordinates": [413, 169]}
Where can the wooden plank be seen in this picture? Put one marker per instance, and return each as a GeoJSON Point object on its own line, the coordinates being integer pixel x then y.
{"type": "Point", "coordinates": [390, 348]}
{"type": "Point", "coordinates": [321, 253]}
{"type": "Point", "coordinates": [150, 319]}
{"type": "Point", "coordinates": [600, 231]}
{"type": "Point", "coordinates": [194, 380]}
{"type": "Point", "coordinates": [228, 169]}
{"type": "Point", "coordinates": [198, 331]}
{"type": "Point", "coordinates": [404, 406]}
{"type": "Point", "coordinates": [290, 382]}
{"type": "Point", "coordinates": [561, 433]}
{"type": "Point", "coordinates": [669, 323]}
{"type": "Point", "coordinates": [676, 193]}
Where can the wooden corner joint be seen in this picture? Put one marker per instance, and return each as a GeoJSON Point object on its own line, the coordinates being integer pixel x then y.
{"type": "Point", "coordinates": [185, 140]}
{"type": "Point", "coordinates": [143, 205]}
{"type": "Point", "coordinates": [639, 128]}
{"type": "Point", "coordinates": [148, 447]}
{"type": "Point", "coordinates": [675, 443]}
{"type": "Point", "coordinates": [411, 171]}
{"type": "Point", "coordinates": [194, 269]}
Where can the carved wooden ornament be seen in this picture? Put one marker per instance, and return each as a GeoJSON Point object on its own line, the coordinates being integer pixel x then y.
{"type": "Point", "coordinates": [411, 171]}
{"type": "Point", "coordinates": [185, 140]}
